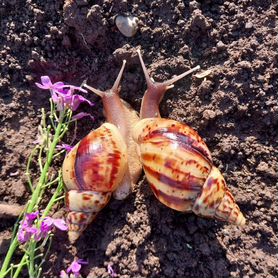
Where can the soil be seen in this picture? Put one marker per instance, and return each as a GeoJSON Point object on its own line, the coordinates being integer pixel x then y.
{"type": "Point", "coordinates": [234, 109]}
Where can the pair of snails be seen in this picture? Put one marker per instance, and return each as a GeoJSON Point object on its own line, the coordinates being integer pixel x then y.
{"type": "Point", "coordinates": [177, 163]}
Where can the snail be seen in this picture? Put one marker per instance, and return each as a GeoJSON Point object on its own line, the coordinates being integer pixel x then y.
{"type": "Point", "coordinates": [97, 166]}
{"type": "Point", "coordinates": [177, 163]}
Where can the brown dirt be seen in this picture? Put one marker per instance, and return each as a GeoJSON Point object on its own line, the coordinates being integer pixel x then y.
{"type": "Point", "coordinates": [234, 110]}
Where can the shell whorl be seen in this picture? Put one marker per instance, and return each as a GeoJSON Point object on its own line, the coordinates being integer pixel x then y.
{"type": "Point", "coordinates": [178, 166]}
{"type": "Point", "coordinates": [92, 170]}
{"type": "Point", "coordinates": [216, 200]}
{"type": "Point", "coordinates": [98, 162]}
{"type": "Point", "coordinates": [83, 207]}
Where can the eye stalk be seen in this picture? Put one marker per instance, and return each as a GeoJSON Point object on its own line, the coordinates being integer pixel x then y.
{"type": "Point", "coordinates": [113, 106]}
{"type": "Point", "coordinates": [156, 90]}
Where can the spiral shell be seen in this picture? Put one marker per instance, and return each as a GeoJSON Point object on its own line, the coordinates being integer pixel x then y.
{"type": "Point", "coordinates": [179, 169]}
{"type": "Point", "coordinates": [92, 170]}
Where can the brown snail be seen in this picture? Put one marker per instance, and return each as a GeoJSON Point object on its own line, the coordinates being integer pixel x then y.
{"type": "Point", "coordinates": [98, 165]}
{"type": "Point", "coordinates": [177, 162]}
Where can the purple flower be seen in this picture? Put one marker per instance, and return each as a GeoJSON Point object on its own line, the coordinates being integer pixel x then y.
{"type": "Point", "coordinates": [76, 266]}
{"type": "Point", "coordinates": [26, 230]}
{"type": "Point", "coordinates": [69, 100]}
{"type": "Point", "coordinates": [58, 223]}
{"type": "Point", "coordinates": [30, 217]}
{"type": "Point", "coordinates": [67, 147]}
{"type": "Point", "coordinates": [47, 225]}
{"type": "Point", "coordinates": [42, 232]}
{"type": "Point", "coordinates": [81, 115]}
{"type": "Point", "coordinates": [63, 95]}
{"type": "Point", "coordinates": [46, 84]}
{"type": "Point", "coordinates": [111, 271]}
{"type": "Point", "coordinates": [63, 274]}
{"type": "Point", "coordinates": [25, 233]}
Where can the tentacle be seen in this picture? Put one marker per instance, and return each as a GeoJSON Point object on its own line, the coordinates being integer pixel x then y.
{"type": "Point", "coordinates": [156, 90]}
{"type": "Point", "coordinates": [115, 87]}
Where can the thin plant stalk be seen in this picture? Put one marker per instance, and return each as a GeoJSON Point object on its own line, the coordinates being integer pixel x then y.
{"type": "Point", "coordinates": [60, 130]}
{"type": "Point", "coordinates": [64, 102]}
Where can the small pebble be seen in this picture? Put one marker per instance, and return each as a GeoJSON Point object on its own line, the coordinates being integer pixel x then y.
{"type": "Point", "coordinates": [127, 25]}
{"type": "Point", "coordinates": [13, 174]}
{"type": "Point", "coordinates": [35, 55]}
{"type": "Point", "coordinates": [209, 114]}
{"type": "Point", "coordinates": [193, 5]}
{"type": "Point", "coordinates": [220, 45]}
{"type": "Point", "coordinates": [248, 25]}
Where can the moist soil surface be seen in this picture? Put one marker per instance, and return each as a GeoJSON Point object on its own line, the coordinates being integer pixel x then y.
{"type": "Point", "coordinates": [234, 109]}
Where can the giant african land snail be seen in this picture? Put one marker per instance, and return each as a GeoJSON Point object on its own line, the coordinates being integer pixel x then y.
{"type": "Point", "coordinates": [177, 162]}
{"type": "Point", "coordinates": [103, 162]}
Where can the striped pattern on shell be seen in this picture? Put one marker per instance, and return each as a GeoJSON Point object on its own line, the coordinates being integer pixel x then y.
{"type": "Point", "coordinates": [179, 169]}
{"type": "Point", "coordinates": [98, 162]}
{"type": "Point", "coordinates": [83, 207]}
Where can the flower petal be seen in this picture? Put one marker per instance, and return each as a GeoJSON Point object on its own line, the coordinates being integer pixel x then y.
{"type": "Point", "coordinates": [67, 147]}
{"type": "Point", "coordinates": [30, 217]}
{"type": "Point", "coordinates": [81, 115]}
{"type": "Point", "coordinates": [46, 81]}
{"type": "Point", "coordinates": [58, 85]}
{"type": "Point", "coordinates": [77, 99]}
{"type": "Point", "coordinates": [46, 226]}
{"type": "Point", "coordinates": [81, 261]}
{"type": "Point", "coordinates": [60, 224]}
{"type": "Point", "coordinates": [23, 236]}
{"type": "Point", "coordinates": [31, 230]}
{"type": "Point", "coordinates": [48, 221]}
{"type": "Point", "coordinates": [63, 274]}
{"type": "Point", "coordinates": [75, 267]}
{"type": "Point", "coordinates": [41, 86]}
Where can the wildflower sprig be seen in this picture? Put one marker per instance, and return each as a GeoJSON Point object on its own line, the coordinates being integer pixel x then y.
{"type": "Point", "coordinates": [33, 231]}
{"type": "Point", "coordinates": [73, 271]}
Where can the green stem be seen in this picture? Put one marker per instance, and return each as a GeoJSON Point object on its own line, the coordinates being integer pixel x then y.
{"type": "Point", "coordinates": [44, 257]}
{"type": "Point", "coordinates": [46, 165]}
{"type": "Point", "coordinates": [51, 182]}
{"type": "Point", "coordinates": [59, 153]}
{"type": "Point", "coordinates": [21, 264]}
{"type": "Point", "coordinates": [40, 157]}
{"type": "Point", "coordinates": [32, 247]}
{"type": "Point", "coordinates": [34, 198]}
{"type": "Point", "coordinates": [27, 173]}
{"type": "Point", "coordinates": [6, 262]}
{"type": "Point", "coordinates": [54, 196]}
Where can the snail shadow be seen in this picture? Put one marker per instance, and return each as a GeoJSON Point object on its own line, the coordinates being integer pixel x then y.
{"type": "Point", "coordinates": [180, 245]}
{"type": "Point", "coordinates": [100, 240]}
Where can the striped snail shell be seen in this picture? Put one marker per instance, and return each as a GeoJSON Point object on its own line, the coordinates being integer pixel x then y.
{"type": "Point", "coordinates": [92, 170]}
{"type": "Point", "coordinates": [179, 169]}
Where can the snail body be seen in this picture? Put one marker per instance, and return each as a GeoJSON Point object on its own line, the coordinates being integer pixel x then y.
{"type": "Point", "coordinates": [178, 164]}
{"type": "Point", "coordinates": [98, 165]}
